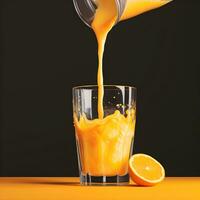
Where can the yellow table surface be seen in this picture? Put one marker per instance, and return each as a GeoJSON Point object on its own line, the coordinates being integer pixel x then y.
{"type": "Point", "coordinates": [69, 188]}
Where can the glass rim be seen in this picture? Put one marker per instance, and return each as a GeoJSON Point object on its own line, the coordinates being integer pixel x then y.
{"type": "Point", "coordinates": [96, 86]}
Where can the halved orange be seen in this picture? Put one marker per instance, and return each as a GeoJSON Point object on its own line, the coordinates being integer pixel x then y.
{"type": "Point", "coordinates": [145, 170]}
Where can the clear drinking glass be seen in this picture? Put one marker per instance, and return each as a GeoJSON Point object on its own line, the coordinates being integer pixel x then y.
{"type": "Point", "coordinates": [104, 145]}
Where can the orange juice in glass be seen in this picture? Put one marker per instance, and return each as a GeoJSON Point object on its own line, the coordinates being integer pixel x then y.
{"type": "Point", "coordinates": [104, 145]}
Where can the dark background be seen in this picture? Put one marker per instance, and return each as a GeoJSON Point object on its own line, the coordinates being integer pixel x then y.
{"type": "Point", "coordinates": [47, 50]}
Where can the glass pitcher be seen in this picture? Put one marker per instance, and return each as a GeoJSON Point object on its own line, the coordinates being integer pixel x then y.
{"type": "Point", "coordinates": [86, 9]}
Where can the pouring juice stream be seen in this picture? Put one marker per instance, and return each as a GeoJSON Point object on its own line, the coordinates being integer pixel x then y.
{"type": "Point", "coordinates": [104, 20]}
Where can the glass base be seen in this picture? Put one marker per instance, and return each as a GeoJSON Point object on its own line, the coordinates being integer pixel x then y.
{"type": "Point", "coordinates": [104, 180]}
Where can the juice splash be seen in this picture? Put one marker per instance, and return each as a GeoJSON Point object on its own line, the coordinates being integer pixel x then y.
{"type": "Point", "coordinates": [105, 142]}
